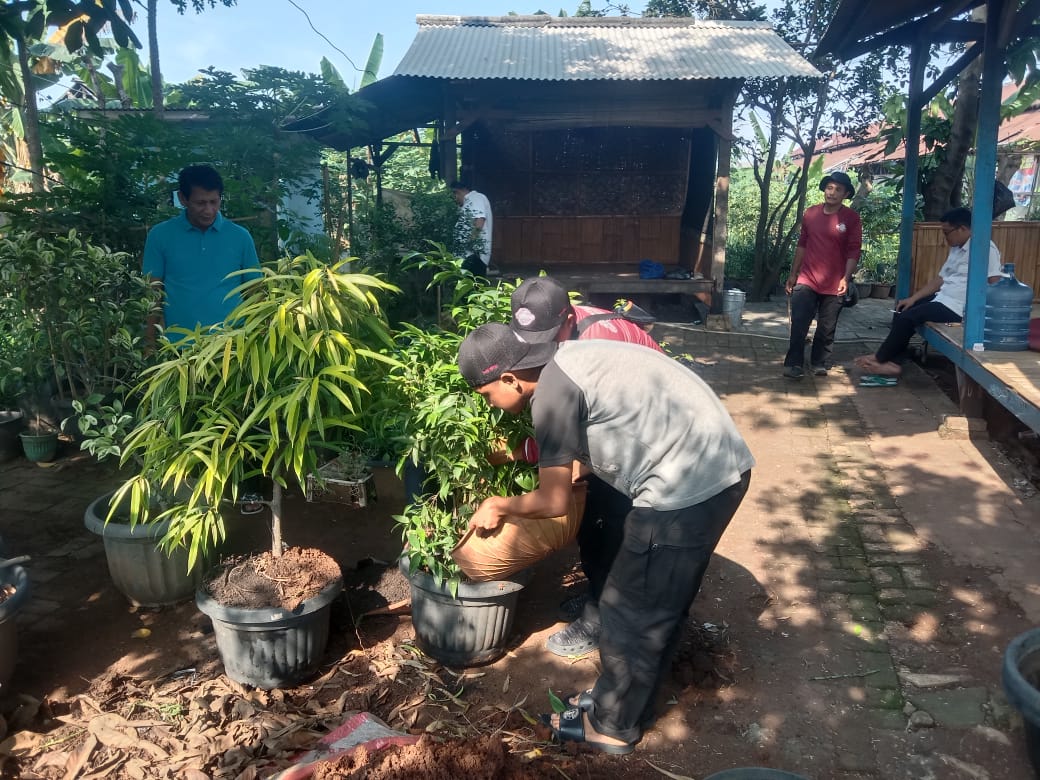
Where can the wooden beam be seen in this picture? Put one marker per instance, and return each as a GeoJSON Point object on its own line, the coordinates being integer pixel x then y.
{"type": "Point", "coordinates": [719, 231]}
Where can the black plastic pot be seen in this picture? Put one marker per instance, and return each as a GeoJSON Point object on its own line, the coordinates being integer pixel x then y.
{"type": "Point", "coordinates": [17, 576]}
{"type": "Point", "coordinates": [139, 568]}
{"type": "Point", "coordinates": [271, 648]}
{"type": "Point", "coordinates": [467, 629]}
{"type": "Point", "coordinates": [754, 773]}
{"type": "Point", "coordinates": [1022, 686]}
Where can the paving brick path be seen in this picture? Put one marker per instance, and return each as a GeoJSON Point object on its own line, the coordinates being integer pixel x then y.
{"type": "Point", "coordinates": [879, 627]}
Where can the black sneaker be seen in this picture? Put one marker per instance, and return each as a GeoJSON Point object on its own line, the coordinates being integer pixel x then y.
{"type": "Point", "coordinates": [578, 638]}
{"type": "Point", "coordinates": [572, 608]}
{"type": "Point", "coordinates": [793, 372]}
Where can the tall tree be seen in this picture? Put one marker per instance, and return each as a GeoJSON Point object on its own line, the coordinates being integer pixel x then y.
{"type": "Point", "coordinates": [25, 22]}
{"type": "Point", "coordinates": [790, 114]}
{"type": "Point", "coordinates": [152, 11]}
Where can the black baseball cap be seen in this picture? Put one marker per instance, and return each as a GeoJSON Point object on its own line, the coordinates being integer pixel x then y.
{"type": "Point", "coordinates": [839, 178]}
{"type": "Point", "coordinates": [540, 306]}
{"type": "Point", "coordinates": [493, 349]}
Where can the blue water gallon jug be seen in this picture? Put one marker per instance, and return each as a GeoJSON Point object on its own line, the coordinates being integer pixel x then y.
{"type": "Point", "coordinates": [1008, 305]}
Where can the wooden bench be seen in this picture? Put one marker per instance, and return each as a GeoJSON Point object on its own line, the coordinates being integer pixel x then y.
{"type": "Point", "coordinates": [1010, 378]}
{"type": "Point", "coordinates": [625, 284]}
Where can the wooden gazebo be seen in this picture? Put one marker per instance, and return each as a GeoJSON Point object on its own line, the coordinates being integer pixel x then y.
{"type": "Point", "coordinates": [600, 142]}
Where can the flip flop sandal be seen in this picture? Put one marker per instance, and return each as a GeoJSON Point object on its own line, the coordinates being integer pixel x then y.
{"type": "Point", "coordinates": [877, 380]}
{"type": "Point", "coordinates": [572, 729]}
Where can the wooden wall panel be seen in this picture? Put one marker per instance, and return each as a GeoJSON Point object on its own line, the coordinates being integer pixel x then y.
{"type": "Point", "coordinates": [522, 242]}
{"type": "Point", "coordinates": [1018, 242]}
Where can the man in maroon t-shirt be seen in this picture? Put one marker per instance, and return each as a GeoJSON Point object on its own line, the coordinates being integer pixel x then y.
{"type": "Point", "coordinates": [543, 312]}
{"type": "Point", "coordinates": [826, 257]}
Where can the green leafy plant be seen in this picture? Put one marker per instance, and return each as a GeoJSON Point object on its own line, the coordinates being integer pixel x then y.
{"type": "Point", "coordinates": [268, 394]}
{"type": "Point", "coordinates": [104, 426]}
{"type": "Point", "coordinates": [442, 427]}
{"type": "Point", "coordinates": [73, 318]}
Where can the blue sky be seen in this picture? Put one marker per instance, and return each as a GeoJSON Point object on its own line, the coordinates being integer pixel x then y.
{"type": "Point", "coordinates": [276, 32]}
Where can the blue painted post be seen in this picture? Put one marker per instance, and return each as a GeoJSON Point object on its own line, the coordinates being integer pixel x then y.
{"type": "Point", "coordinates": [918, 58]}
{"type": "Point", "coordinates": [985, 170]}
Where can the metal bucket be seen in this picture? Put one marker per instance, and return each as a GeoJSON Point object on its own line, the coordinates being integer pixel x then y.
{"type": "Point", "coordinates": [733, 305]}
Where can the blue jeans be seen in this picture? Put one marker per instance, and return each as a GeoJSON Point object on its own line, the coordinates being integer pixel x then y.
{"type": "Point", "coordinates": [806, 305]}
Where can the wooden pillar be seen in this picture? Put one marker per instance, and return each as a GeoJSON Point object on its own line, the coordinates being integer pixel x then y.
{"type": "Point", "coordinates": [449, 143]}
{"type": "Point", "coordinates": [970, 395]}
{"type": "Point", "coordinates": [722, 173]}
{"type": "Point", "coordinates": [914, 108]}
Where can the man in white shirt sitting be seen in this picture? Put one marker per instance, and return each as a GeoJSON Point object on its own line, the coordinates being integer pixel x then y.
{"type": "Point", "coordinates": [941, 299]}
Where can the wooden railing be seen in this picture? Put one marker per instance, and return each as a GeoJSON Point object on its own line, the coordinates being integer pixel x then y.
{"type": "Point", "coordinates": [1018, 242]}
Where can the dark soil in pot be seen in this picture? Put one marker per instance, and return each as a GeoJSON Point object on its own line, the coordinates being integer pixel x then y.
{"type": "Point", "coordinates": [261, 580]}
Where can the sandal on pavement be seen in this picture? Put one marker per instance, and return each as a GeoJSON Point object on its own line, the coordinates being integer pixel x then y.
{"type": "Point", "coordinates": [572, 729]}
{"type": "Point", "coordinates": [582, 700]}
{"type": "Point", "coordinates": [578, 638]}
{"type": "Point", "coordinates": [877, 380]}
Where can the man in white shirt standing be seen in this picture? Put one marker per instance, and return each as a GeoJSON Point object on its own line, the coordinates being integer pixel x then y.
{"type": "Point", "coordinates": [941, 299]}
{"type": "Point", "coordinates": [474, 228]}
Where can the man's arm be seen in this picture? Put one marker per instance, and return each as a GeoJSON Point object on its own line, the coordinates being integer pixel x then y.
{"type": "Point", "coordinates": [551, 498]}
{"type": "Point", "coordinates": [931, 287]}
{"type": "Point", "coordinates": [796, 266]}
{"type": "Point", "coordinates": [153, 266]}
{"type": "Point", "coordinates": [155, 317]}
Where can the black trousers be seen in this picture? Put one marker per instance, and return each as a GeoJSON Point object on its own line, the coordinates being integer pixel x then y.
{"type": "Point", "coordinates": [806, 305]}
{"type": "Point", "coordinates": [905, 323]}
{"type": "Point", "coordinates": [599, 538]}
{"type": "Point", "coordinates": [474, 265]}
{"type": "Point", "coordinates": [646, 601]}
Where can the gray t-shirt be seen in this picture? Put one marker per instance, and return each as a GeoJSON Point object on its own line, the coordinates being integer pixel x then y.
{"type": "Point", "coordinates": [643, 422]}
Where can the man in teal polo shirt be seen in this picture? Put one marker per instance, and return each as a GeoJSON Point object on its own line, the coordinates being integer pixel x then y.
{"type": "Point", "coordinates": [192, 254]}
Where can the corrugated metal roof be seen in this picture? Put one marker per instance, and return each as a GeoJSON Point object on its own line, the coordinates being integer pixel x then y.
{"type": "Point", "coordinates": [547, 48]}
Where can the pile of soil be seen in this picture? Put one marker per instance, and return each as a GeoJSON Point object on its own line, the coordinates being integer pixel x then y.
{"type": "Point", "coordinates": [264, 581]}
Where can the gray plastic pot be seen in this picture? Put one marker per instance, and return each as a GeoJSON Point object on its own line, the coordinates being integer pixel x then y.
{"type": "Point", "coordinates": [139, 568]}
{"type": "Point", "coordinates": [754, 773]}
{"type": "Point", "coordinates": [271, 648]}
{"type": "Point", "coordinates": [17, 576]}
{"type": "Point", "coordinates": [1021, 675]}
{"type": "Point", "coordinates": [468, 629]}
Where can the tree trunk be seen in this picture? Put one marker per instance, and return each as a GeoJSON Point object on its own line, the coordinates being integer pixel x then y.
{"type": "Point", "coordinates": [153, 58]}
{"type": "Point", "coordinates": [30, 117]}
{"type": "Point", "coordinates": [943, 191]}
{"type": "Point", "coordinates": [276, 520]}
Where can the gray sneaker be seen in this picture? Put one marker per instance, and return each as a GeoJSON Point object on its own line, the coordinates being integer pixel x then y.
{"type": "Point", "coordinates": [577, 639]}
{"type": "Point", "coordinates": [793, 372]}
{"type": "Point", "coordinates": [819, 370]}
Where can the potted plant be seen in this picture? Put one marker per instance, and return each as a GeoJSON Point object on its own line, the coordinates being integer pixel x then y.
{"type": "Point", "coordinates": [39, 439]}
{"type": "Point", "coordinates": [884, 275]}
{"type": "Point", "coordinates": [447, 431]}
{"type": "Point", "coordinates": [263, 395]}
{"type": "Point", "coordinates": [864, 282]}
{"type": "Point", "coordinates": [79, 332]}
{"type": "Point", "coordinates": [141, 569]}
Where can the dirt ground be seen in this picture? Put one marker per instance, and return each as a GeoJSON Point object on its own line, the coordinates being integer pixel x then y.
{"type": "Point", "coordinates": [114, 691]}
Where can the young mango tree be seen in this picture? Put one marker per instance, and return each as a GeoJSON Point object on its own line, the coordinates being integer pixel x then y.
{"type": "Point", "coordinates": [268, 393]}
